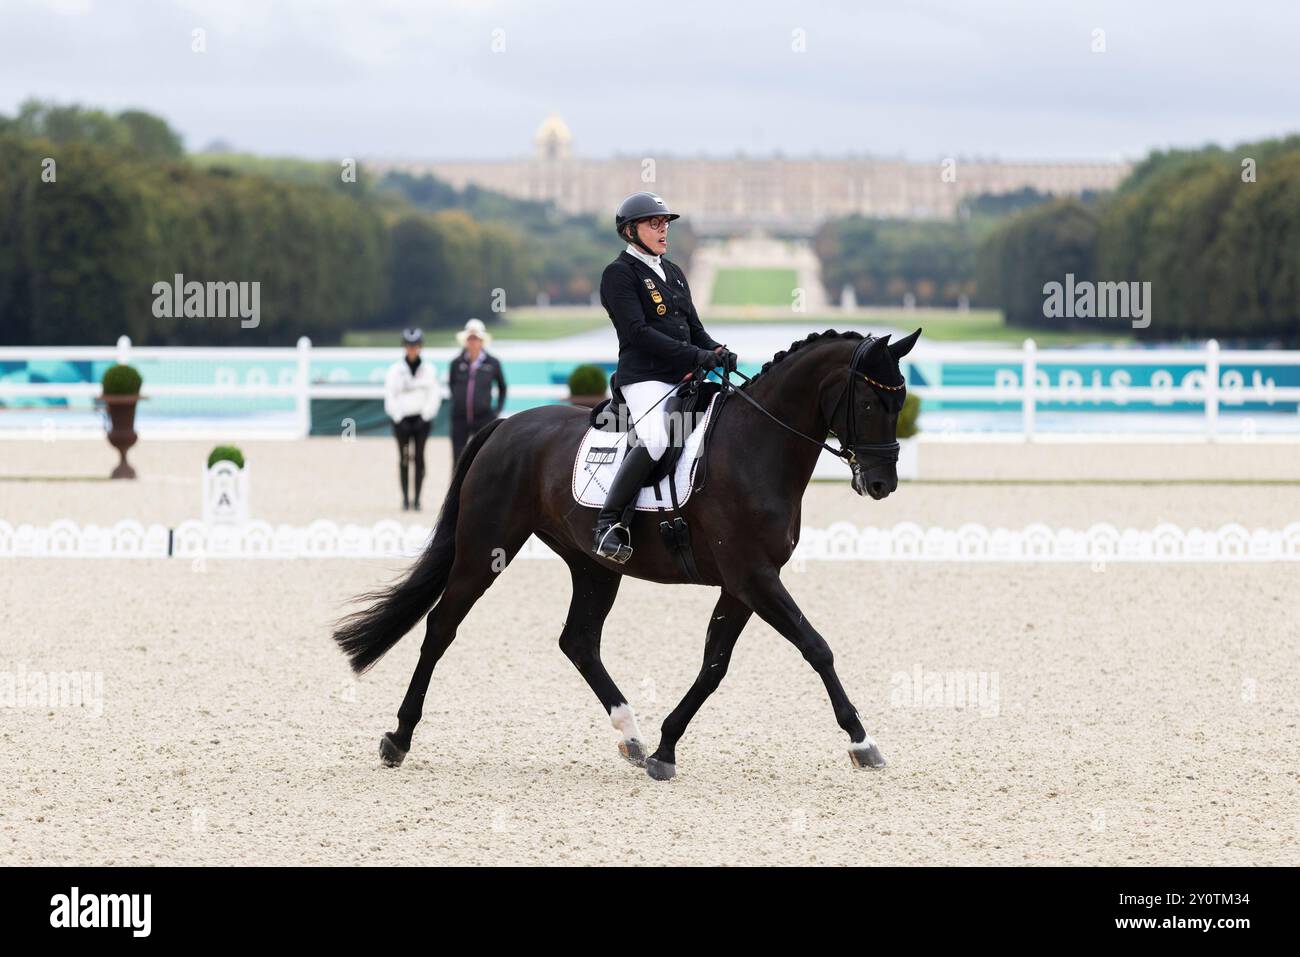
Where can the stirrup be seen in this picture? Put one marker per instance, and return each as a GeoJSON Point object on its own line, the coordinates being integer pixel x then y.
{"type": "Point", "coordinates": [615, 550]}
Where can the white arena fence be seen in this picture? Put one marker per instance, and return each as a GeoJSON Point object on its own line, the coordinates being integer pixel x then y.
{"type": "Point", "coordinates": [1015, 394]}
{"type": "Point", "coordinates": [1097, 545]}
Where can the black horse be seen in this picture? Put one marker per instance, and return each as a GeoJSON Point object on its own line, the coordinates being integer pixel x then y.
{"type": "Point", "coordinates": [513, 481]}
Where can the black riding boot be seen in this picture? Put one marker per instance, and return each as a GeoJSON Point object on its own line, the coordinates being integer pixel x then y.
{"type": "Point", "coordinates": [419, 480]}
{"type": "Point", "coordinates": [613, 537]}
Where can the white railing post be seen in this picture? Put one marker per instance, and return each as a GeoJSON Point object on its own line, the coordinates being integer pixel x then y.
{"type": "Point", "coordinates": [1212, 389]}
{"type": "Point", "coordinates": [123, 350]}
{"type": "Point", "coordinates": [1028, 381]}
{"type": "Point", "coordinates": [304, 386]}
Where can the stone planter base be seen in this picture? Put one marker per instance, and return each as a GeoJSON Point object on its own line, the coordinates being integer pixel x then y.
{"type": "Point", "coordinates": [121, 433]}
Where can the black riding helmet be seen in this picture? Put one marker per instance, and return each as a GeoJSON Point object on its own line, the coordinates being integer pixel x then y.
{"type": "Point", "coordinates": [640, 206]}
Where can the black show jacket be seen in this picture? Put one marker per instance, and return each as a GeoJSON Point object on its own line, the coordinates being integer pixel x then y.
{"type": "Point", "coordinates": [489, 372]}
{"type": "Point", "coordinates": [659, 331]}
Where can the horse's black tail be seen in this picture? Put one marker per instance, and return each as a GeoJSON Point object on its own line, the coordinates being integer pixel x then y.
{"type": "Point", "coordinates": [365, 636]}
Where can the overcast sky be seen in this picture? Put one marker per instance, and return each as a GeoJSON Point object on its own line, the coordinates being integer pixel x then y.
{"type": "Point", "coordinates": [1015, 79]}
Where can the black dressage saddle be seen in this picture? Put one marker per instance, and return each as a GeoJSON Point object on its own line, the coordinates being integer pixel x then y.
{"type": "Point", "coordinates": [690, 404]}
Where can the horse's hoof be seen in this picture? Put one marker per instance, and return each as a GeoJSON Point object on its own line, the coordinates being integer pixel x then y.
{"type": "Point", "coordinates": [390, 752]}
{"type": "Point", "coordinates": [866, 756]}
{"type": "Point", "coordinates": [660, 770]}
{"type": "Point", "coordinates": [633, 750]}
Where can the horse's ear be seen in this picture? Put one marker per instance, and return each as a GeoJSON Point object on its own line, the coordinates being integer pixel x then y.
{"type": "Point", "coordinates": [903, 346]}
{"type": "Point", "coordinates": [873, 354]}
{"type": "Point", "coordinates": [874, 351]}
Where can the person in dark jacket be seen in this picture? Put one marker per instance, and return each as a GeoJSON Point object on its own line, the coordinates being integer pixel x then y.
{"type": "Point", "coordinates": [661, 341]}
{"type": "Point", "coordinates": [473, 373]}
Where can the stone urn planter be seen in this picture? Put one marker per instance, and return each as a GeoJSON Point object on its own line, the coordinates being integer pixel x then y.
{"type": "Point", "coordinates": [121, 385]}
{"type": "Point", "coordinates": [587, 386]}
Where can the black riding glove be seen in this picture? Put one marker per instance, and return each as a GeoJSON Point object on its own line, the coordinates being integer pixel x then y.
{"type": "Point", "coordinates": [729, 360]}
{"type": "Point", "coordinates": [706, 359]}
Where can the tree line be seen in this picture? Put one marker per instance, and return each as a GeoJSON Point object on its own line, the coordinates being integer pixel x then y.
{"type": "Point", "coordinates": [97, 209]}
{"type": "Point", "coordinates": [88, 231]}
{"type": "Point", "coordinates": [933, 261]}
{"type": "Point", "coordinates": [1214, 232]}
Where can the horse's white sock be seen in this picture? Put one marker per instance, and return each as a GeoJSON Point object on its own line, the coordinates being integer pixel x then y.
{"type": "Point", "coordinates": [622, 718]}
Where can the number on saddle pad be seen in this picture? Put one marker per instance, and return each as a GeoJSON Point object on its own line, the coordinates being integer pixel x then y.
{"type": "Point", "coordinates": [602, 454]}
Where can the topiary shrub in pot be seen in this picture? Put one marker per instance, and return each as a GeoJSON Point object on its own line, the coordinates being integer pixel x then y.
{"type": "Point", "coordinates": [226, 453]}
{"type": "Point", "coordinates": [225, 487]}
{"type": "Point", "coordinates": [121, 393]}
{"type": "Point", "coordinates": [587, 385]}
{"type": "Point", "coordinates": [908, 427]}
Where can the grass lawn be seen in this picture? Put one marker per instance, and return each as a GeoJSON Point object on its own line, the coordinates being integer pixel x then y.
{"type": "Point", "coordinates": [754, 287]}
{"type": "Point", "coordinates": [985, 325]}
{"type": "Point", "coordinates": [535, 325]}
{"type": "Point", "coordinates": [940, 325]}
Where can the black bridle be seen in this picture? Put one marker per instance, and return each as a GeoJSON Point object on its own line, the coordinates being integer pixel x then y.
{"type": "Point", "coordinates": [851, 452]}
{"type": "Point", "coordinates": [886, 452]}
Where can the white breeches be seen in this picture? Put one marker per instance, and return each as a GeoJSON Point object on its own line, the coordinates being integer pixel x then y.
{"type": "Point", "coordinates": [651, 423]}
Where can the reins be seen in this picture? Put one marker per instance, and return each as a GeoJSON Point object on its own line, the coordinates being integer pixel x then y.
{"type": "Point", "coordinates": [850, 453]}
{"type": "Point", "coordinates": [729, 386]}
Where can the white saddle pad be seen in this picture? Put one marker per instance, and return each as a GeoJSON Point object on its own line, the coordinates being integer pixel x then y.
{"type": "Point", "coordinates": [601, 453]}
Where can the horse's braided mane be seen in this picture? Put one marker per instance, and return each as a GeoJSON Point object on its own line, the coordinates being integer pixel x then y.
{"type": "Point", "coordinates": [801, 343]}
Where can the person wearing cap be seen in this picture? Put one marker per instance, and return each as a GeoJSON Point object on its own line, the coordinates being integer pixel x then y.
{"type": "Point", "coordinates": [412, 396]}
{"type": "Point", "coordinates": [661, 341]}
{"type": "Point", "coordinates": [472, 375]}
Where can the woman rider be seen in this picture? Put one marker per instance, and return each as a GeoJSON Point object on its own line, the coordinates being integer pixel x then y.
{"type": "Point", "coordinates": [660, 343]}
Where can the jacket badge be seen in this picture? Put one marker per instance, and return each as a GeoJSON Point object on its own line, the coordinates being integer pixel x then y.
{"type": "Point", "coordinates": [661, 309]}
{"type": "Point", "coordinates": [649, 284]}
{"type": "Point", "coordinates": [656, 297]}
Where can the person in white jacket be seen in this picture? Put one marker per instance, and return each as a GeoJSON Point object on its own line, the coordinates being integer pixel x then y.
{"type": "Point", "coordinates": [412, 395]}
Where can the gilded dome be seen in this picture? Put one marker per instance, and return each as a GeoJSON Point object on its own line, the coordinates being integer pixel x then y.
{"type": "Point", "coordinates": [553, 137]}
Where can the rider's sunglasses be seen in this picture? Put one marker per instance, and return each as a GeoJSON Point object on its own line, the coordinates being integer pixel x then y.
{"type": "Point", "coordinates": [658, 222]}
